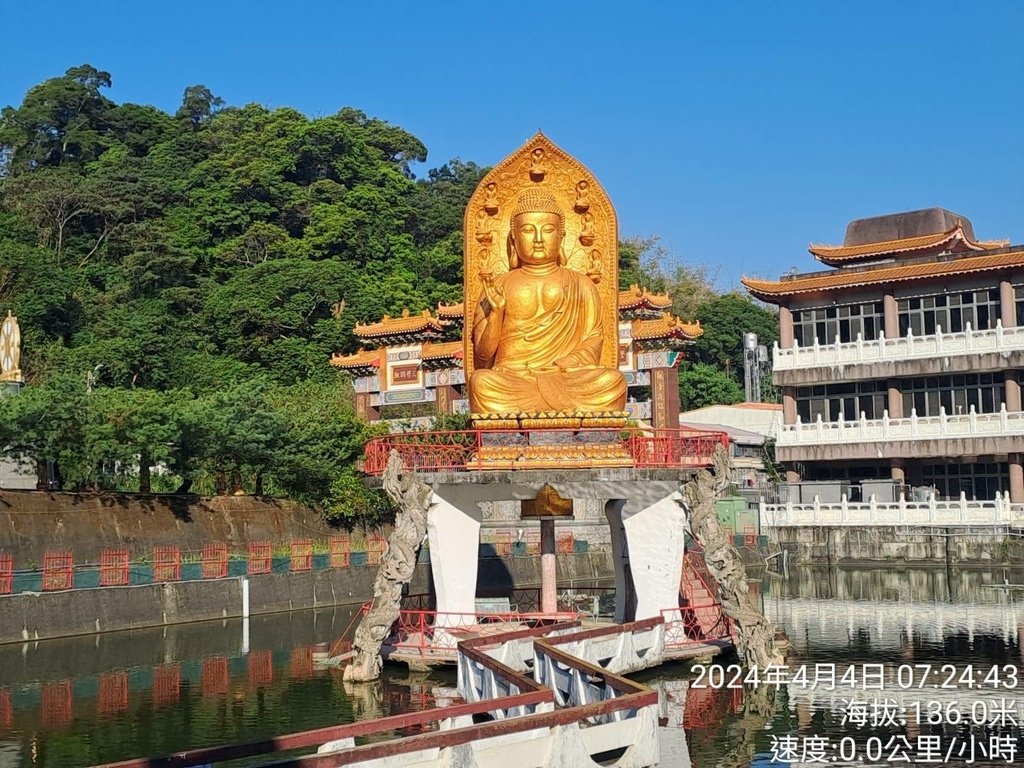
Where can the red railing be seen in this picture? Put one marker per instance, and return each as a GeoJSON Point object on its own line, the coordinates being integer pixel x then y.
{"type": "Point", "coordinates": [460, 451]}
{"type": "Point", "coordinates": [114, 567]}
{"type": "Point", "coordinates": [6, 574]}
{"type": "Point", "coordinates": [215, 560]}
{"type": "Point", "coordinates": [302, 555]}
{"type": "Point", "coordinates": [166, 564]}
{"type": "Point", "coordinates": [340, 551]}
{"type": "Point", "coordinates": [260, 557]}
{"type": "Point", "coordinates": [58, 571]}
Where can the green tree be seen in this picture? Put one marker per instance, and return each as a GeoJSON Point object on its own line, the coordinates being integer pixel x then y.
{"type": "Point", "coordinates": [725, 319]}
{"type": "Point", "coordinates": [701, 384]}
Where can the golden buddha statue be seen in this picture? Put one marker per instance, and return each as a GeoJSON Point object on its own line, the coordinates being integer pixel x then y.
{"type": "Point", "coordinates": [537, 330]}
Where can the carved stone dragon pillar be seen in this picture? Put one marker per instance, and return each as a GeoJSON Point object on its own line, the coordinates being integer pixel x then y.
{"type": "Point", "coordinates": [755, 636]}
{"type": "Point", "coordinates": [396, 569]}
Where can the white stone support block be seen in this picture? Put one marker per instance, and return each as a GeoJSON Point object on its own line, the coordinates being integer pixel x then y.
{"type": "Point", "coordinates": [454, 536]}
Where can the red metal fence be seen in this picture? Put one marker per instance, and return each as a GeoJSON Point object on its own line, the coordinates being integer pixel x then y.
{"type": "Point", "coordinates": [215, 560]}
{"type": "Point", "coordinates": [565, 544]}
{"type": "Point", "coordinates": [166, 564]}
{"type": "Point", "coordinates": [58, 571]}
{"type": "Point", "coordinates": [459, 451]}
{"type": "Point", "coordinates": [340, 551]}
{"type": "Point", "coordinates": [260, 557]}
{"type": "Point", "coordinates": [114, 564]}
{"type": "Point", "coordinates": [302, 555]}
{"type": "Point", "coordinates": [113, 693]}
{"type": "Point", "coordinates": [375, 546]}
{"type": "Point", "coordinates": [6, 574]}
{"type": "Point", "coordinates": [166, 684]}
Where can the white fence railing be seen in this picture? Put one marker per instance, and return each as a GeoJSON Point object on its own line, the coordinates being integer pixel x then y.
{"type": "Point", "coordinates": [910, 347]}
{"type": "Point", "coordinates": [971, 424]}
{"type": "Point", "coordinates": [961, 512]}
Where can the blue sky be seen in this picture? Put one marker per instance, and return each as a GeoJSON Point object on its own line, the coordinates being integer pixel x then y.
{"type": "Point", "coordinates": [738, 132]}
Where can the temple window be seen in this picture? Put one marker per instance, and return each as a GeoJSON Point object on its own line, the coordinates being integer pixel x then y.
{"type": "Point", "coordinates": [826, 324]}
{"type": "Point", "coordinates": [849, 400]}
{"type": "Point", "coordinates": [976, 481]}
{"type": "Point", "coordinates": [923, 315]}
{"type": "Point", "coordinates": [927, 394]}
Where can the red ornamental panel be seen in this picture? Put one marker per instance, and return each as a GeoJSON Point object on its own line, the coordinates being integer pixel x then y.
{"type": "Point", "coordinates": [215, 676]}
{"type": "Point", "coordinates": [340, 548]}
{"type": "Point", "coordinates": [114, 565]}
{"type": "Point", "coordinates": [56, 703]}
{"type": "Point", "coordinates": [166, 684]}
{"type": "Point", "coordinates": [166, 564]}
{"type": "Point", "coordinates": [533, 542]}
{"type": "Point", "coordinates": [565, 544]}
{"type": "Point", "coordinates": [6, 710]}
{"type": "Point", "coordinates": [58, 571]}
{"type": "Point", "coordinates": [113, 693]}
{"type": "Point", "coordinates": [260, 557]}
{"type": "Point", "coordinates": [302, 555]}
{"type": "Point", "coordinates": [302, 662]}
{"type": "Point", "coordinates": [215, 560]}
{"type": "Point", "coordinates": [6, 574]}
{"type": "Point", "coordinates": [375, 546]}
{"type": "Point", "coordinates": [261, 668]}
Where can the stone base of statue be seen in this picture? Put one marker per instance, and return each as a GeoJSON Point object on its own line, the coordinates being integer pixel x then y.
{"type": "Point", "coordinates": [560, 420]}
{"type": "Point", "coordinates": [556, 447]}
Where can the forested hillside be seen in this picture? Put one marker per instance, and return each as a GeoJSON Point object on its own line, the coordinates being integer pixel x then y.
{"type": "Point", "coordinates": [182, 280]}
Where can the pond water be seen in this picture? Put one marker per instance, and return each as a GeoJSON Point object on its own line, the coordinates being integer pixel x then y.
{"type": "Point", "coordinates": [101, 698]}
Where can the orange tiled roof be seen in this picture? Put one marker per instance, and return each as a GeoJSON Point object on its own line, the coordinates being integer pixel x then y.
{"type": "Point", "coordinates": [451, 311]}
{"type": "Point", "coordinates": [637, 296]}
{"type": "Point", "coordinates": [361, 359]}
{"type": "Point", "coordinates": [839, 254]}
{"type": "Point", "coordinates": [447, 349]}
{"type": "Point", "coordinates": [771, 289]}
{"type": "Point", "coordinates": [665, 327]}
{"type": "Point", "coordinates": [393, 326]}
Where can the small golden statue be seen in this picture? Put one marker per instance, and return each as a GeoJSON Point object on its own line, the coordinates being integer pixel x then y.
{"type": "Point", "coordinates": [10, 349]}
{"type": "Point", "coordinates": [582, 204]}
{"type": "Point", "coordinates": [537, 328]}
{"type": "Point", "coordinates": [490, 201]}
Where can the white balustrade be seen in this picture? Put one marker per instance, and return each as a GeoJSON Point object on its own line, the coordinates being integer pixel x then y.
{"type": "Point", "coordinates": [960, 512]}
{"type": "Point", "coordinates": [864, 430]}
{"type": "Point", "coordinates": [910, 347]}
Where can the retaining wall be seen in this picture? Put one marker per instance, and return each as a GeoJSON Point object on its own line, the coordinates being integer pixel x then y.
{"type": "Point", "coordinates": [889, 545]}
{"type": "Point", "coordinates": [36, 616]}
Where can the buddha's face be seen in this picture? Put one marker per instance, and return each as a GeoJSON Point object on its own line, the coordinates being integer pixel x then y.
{"type": "Point", "coordinates": [537, 237]}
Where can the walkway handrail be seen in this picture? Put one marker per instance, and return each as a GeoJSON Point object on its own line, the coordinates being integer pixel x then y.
{"type": "Point", "coordinates": [956, 512]}
{"type": "Point", "coordinates": [938, 344]}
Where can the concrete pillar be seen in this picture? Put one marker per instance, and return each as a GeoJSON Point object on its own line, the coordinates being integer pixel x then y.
{"type": "Point", "coordinates": [453, 530]}
{"type": "Point", "coordinates": [665, 398]}
{"type": "Point", "coordinates": [789, 405]}
{"type": "Point", "coordinates": [1011, 391]}
{"type": "Point", "coordinates": [651, 546]}
{"type": "Point", "coordinates": [792, 476]}
{"type": "Point", "coordinates": [1007, 304]}
{"type": "Point", "coordinates": [785, 327]}
{"type": "Point", "coordinates": [1016, 479]}
{"type": "Point", "coordinates": [625, 599]}
{"type": "Point", "coordinates": [894, 403]}
{"type": "Point", "coordinates": [364, 410]}
{"type": "Point", "coordinates": [548, 570]}
{"type": "Point", "coordinates": [891, 314]}
{"type": "Point", "coordinates": [898, 470]}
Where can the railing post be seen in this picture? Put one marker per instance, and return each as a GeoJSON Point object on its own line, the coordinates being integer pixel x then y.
{"type": "Point", "coordinates": [817, 351]}
{"type": "Point", "coordinates": [860, 346]}
{"type": "Point", "coordinates": [863, 425]}
{"type": "Point", "coordinates": [972, 418]}
{"type": "Point", "coordinates": [1004, 421]}
{"type": "Point", "coordinates": [910, 340]}
{"type": "Point", "coordinates": [872, 508]}
{"type": "Point", "coordinates": [881, 345]}
{"type": "Point", "coordinates": [821, 427]}
{"type": "Point", "coordinates": [931, 508]}
{"type": "Point", "coordinates": [840, 426]}
{"type": "Point", "coordinates": [885, 424]}
{"type": "Point", "coordinates": [817, 509]}
{"type": "Point", "coordinates": [844, 509]}
{"type": "Point", "coordinates": [942, 420]}
{"type": "Point", "coordinates": [938, 338]}
{"type": "Point", "coordinates": [963, 507]}
{"type": "Point", "coordinates": [999, 333]}
{"type": "Point", "coordinates": [913, 422]}
{"type": "Point", "coordinates": [968, 337]}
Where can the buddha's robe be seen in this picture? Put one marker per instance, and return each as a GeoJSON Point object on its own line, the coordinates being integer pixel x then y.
{"type": "Point", "coordinates": [548, 355]}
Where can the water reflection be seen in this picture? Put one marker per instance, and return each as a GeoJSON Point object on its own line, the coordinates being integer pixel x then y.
{"type": "Point", "coordinates": [109, 697]}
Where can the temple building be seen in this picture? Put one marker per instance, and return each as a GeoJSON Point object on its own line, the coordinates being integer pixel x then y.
{"type": "Point", "coordinates": [417, 358]}
{"type": "Point", "coordinates": [900, 366]}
